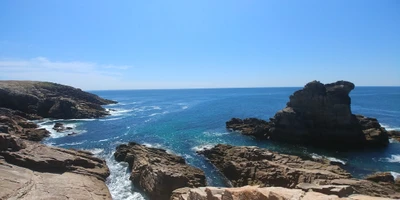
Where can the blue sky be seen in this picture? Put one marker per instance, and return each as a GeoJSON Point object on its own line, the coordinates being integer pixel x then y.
{"type": "Point", "coordinates": [200, 44]}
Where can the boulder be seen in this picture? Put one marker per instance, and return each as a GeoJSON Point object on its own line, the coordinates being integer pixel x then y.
{"type": "Point", "coordinates": [156, 172]}
{"type": "Point", "coordinates": [319, 115]}
{"type": "Point", "coordinates": [51, 100]}
{"type": "Point", "coordinates": [394, 134]}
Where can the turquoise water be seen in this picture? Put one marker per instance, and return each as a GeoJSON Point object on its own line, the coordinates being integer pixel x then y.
{"type": "Point", "coordinates": [183, 121]}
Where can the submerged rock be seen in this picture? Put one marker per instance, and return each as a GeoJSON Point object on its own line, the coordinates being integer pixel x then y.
{"type": "Point", "coordinates": [256, 166]}
{"type": "Point", "coordinates": [157, 172]}
{"type": "Point", "coordinates": [319, 115]}
{"type": "Point", "coordinates": [51, 100]}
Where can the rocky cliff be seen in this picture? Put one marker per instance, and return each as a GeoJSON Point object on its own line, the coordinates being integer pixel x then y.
{"type": "Point", "coordinates": [51, 100]}
{"type": "Point", "coordinates": [319, 115]}
{"type": "Point", "coordinates": [156, 172]}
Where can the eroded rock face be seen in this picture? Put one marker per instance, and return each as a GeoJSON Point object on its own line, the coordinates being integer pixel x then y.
{"type": "Point", "coordinates": [257, 193]}
{"type": "Point", "coordinates": [320, 115]}
{"type": "Point", "coordinates": [29, 170]}
{"type": "Point", "coordinates": [157, 172]}
{"type": "Point", "coordinates": [51, 100]}
{"type": "Point", "coordinates": [256, 166]}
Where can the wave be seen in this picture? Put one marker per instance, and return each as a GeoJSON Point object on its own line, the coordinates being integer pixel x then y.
{"type": "Point", "coordinates": [71, 144]}
{"type": "Point", "coordinates": [203, 147]}
{"type": "Point", "coordinates": [207, 133]}
{"type": "Point", "coordinates": [118, 182]}
{"type": "Point", "coordinates": [333, 159]}
{"type": "Point", "coordinates": [154, 114]}
{"type": "Point", "coordinates": [49, 124]}
{"type": "Point", "coordinates": [392, 159]}
{"type": "Point", "coordinates": [119, 112]}
{"type": "Point", "coordinates": [390, 128]}
{"type": "Point", "coordinates": [110, 119]}
{"type": "Point", "coordinates": [395, 175]}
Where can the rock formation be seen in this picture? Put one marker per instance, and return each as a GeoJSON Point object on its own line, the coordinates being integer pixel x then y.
{"type": "Point", "coordinates": [157, 172]}
{"type": "Point", "coordinates": [51, 100]}
{"type": "Point", "coordinates": [257, 193]}
{"type": "Point", "coordinates": [320, 115]}
{"type": "Point", "coordinates": [395, 135]}
{"type": "Point", "coordinates": [29, 170]}
{"type": "Point", "coordinates": [256, 166]}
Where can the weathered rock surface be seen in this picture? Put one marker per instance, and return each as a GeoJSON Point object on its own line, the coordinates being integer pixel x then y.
{"type": "Point", "coordinates": [320, 115]}
{"type": "Point", "coordinates": [257, 166]}
{"type": "Point", "coordinates": [257, 193]}
{"type": "Point", "coordinates": [29, 170]}
{"type": "Point", "coordinates": [13, 123]}
{"type": "Point", "coordinates": [157, 172]}
{"type": "Point", "coordinates": [378, 177]}
{"type": "Point", "coordinates": [51, 100]}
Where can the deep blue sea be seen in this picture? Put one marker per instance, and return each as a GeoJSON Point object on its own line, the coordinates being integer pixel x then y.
{"type": "Point", "coordinates": [183, 121]}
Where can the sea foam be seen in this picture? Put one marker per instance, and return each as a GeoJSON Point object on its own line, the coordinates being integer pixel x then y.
{"type": "Point", "coordinates": [333, 159]}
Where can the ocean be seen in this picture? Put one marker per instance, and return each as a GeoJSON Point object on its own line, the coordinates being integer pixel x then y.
{"type": "Point", "coordinates": [184, 121]}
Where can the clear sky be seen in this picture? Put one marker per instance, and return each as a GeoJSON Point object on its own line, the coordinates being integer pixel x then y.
{"type": "Point", "coordinates": [200, 43]}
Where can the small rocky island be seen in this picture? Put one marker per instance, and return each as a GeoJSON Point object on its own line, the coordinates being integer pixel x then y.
{"type": "Point", "coordinates": [320, 115]}
{"type": "Point", "coordinates": [30, 170]}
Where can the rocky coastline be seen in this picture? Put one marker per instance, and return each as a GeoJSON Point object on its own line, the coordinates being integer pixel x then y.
{"type": "Point", "coordinates": [30, 170]}
{"type": "Point", "coordinates": [318, 115]}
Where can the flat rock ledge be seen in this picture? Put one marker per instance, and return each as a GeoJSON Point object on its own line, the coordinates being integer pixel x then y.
{"type": "Point", "coordinates": [256, 166]}
{"type": "Point", "coordinates": [29, 170]}
{"type": "Point", "coordinates": [320, 115]}
{"type": "Point", "coordinates": [156, 172]}
{"type": "Point", "coordinates": [257, 193]}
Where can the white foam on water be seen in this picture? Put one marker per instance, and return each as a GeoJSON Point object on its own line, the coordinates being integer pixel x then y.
{"type": "Point", "coordinates": [104, 140]}
{"type": "Point", "coordinates": [390, 128]}
{"type": "Point", "coordinates": [185, 107]}
{"type": "Point", "coordinates": [154, 114]}
{"type": "Point", "coordinates": [156, 107]}
{"type": "Point", "coordinates": [333, 159]}
{"type": "Point", "coordinates": [118, 182]}
{"type": "Point", "coordinates": [95, 151]}
{"type": "Point", "coordinates": [72, 143]}
{"type": "Point", "coordinates": [218, 134]}
{"type": "Point", "coordinates": [393, 141]}
{"type": "Point", "coordinates": [392, 159]}
{"type": "Point", "coordinates": [119, 112]}
{"type": "Point", "coordinates": [203, 147]}
{"type": "Point", "coordinates": [110, 119]}
{"type": "Point", "coordinates": [49, 124]}
{"type": "Point", "coordinates": [395, 175]}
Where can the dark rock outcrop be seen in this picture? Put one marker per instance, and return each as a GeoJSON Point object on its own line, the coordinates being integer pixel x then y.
{"type": "Point", "coordinates": [29, 170]}
{"type": "Point", "coordinates": [51, 100]}
{"type": "Point", "coordinates": [319, 115]}
{"type": "Point", "coordinates": [256, 166]}
{"type": "Point", "coordinates": [378, 177]}
{"type": "Point", "coordinates": [395, 135]}
{"type": "Point", "coordinates": [157, 172]}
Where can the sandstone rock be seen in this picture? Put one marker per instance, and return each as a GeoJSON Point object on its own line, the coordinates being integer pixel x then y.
{"type": "Point", "coordinates": [256, 193]}
{"type": "Point", "coordinates": [157, 172]}
{"type": "Point", "coordinates": [29, 170]}
{"type": "Point", "coordinates": [319, 115]}
{"type": "Point", "coordinates": [257, 166]}
{"type": "Point", "coordinates": [338, 190]}
{"type": "Point", "coordinates": [50, 100]}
